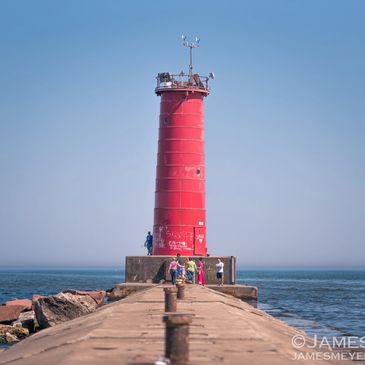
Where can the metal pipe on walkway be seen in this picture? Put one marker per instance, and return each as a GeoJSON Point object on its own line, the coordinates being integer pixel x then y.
{"type": "Point", "coordinates": [170, 299]}
{"type": "Point", "coordinates": [177, 337]}
{"type": "Point", "coordinates": [180, 291]}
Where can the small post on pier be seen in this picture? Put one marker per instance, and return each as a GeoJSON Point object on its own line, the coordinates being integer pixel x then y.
{"type": "Point", "coordinates": [177, 337]}
{"type": "Point", "coordinates": [180, 291]}
{"type": "Point", "coordinates": [170, 299]}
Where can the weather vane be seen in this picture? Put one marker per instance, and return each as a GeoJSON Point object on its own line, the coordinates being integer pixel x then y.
{"type": "Point", "coordinates": [190, 45]}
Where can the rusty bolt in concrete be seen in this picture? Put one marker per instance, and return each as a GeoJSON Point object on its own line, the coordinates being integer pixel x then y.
{"type": "Point", "coordinates": [170, 299]}
{"type": "Point", "coordinates": [177, 337]}
{"type": "Point", "coordinates": [180, 291]}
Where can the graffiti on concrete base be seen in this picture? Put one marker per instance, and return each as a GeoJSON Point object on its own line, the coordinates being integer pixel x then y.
{"type": "Point", "coordinates": [160, 238]}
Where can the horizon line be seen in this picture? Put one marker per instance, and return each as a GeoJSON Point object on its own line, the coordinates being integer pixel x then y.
{"type": "Point", "coordinates": [238, 267]}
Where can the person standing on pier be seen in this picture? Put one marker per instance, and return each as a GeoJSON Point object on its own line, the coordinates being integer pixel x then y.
{"type": "Point", "coordinates": [191, 270]}
{"type": "Point", "coordinates": [180, 267]}
{"type": "Point", "coordinates": [201, 278]}
{"type": "Point", "coordinates": [173, 270]}
{"type": "Point", "coordinates": [219, 267]}
{"type": "Point", "coordinates": [149, 243]}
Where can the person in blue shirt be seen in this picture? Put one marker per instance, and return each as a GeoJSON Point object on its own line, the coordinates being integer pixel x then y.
{"type": "Point", "coordinates": [149, 243]}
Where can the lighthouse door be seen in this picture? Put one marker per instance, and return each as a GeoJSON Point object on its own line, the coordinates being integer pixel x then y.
{"type": "Point", "coordinates": [199, 240]}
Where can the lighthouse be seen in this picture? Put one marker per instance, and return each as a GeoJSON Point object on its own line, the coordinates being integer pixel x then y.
{"type": "Point", "coordinates": [179, 224]}
{"type": "Point", "coordinates": [179, 213]}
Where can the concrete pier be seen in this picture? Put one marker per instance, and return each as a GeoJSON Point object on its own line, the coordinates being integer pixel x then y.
{"type": "Point", "coordinates": [224, 330]}
{"type": "Point", "coordinates": [244, 292]}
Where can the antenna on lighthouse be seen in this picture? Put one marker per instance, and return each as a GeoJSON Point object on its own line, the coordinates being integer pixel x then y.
{"type": "Point", "coordinates": [190, 45]}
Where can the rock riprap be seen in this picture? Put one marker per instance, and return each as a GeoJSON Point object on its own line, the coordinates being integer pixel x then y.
{"type": "Point", "coordinates": [10, 313]}
{"type": "Point", "coordinates": [27, 320]}
{"type": "Point", "coordinates": [25, 303]}
{"type": "Point", "coordinates": [9, 334]}
{"type": "Point", "coordinates": [62, 307]}
{"type": "Point", "coordinates": [98, 295]}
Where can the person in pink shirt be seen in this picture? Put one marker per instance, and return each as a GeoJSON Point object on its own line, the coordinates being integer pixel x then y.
{"type": "Point", "coordinates": [173, 270]}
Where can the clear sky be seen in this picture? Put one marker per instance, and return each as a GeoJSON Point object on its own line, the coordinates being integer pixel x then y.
{"type": "Point", "coordinates": [285, 127]}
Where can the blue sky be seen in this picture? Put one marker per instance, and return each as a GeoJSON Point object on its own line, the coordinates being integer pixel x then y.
{"type": "Point", "coordinates": [285, 135]}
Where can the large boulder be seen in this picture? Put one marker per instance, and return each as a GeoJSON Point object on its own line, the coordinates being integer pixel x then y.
{"type": "Point", "coordinates": [98, 295]}
{"type": "Point", "coordinates": [10, 313]}
{"type": "Point", "coordinates": [62, 307]}
{"type": "Point", "coordinates": [35, 297]}
{"type": "Point", "coordinates": [26, 303]}
{"type": "Point", "coordinates": [27, 320]}
{"type": "Point", "coordinates": [10, 334]}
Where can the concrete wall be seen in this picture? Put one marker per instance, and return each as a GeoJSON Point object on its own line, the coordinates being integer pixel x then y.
{"type": "Point", "coordinates": [154, 269]}
{"type": "Point", "coordinates": [244, 292]}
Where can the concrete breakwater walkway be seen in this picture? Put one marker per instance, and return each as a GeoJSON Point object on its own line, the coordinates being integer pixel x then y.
{"type": "Point", "coordinates": [224, 330]}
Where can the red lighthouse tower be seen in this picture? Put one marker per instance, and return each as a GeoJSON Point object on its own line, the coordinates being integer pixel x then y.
{"type": "Point", "coordinates": [179, 214]}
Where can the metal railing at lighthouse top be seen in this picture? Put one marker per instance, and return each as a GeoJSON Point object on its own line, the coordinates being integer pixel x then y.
{"type": "Point", "coordinates": [165, 80]}
{"type": "Point", "coordinates": [182, 82]}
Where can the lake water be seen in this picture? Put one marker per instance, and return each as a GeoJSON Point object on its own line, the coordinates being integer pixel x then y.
{"type": "Point", "coordinates": [321, 302]}
{"type": "Point", "coordinates": [325, 303]}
